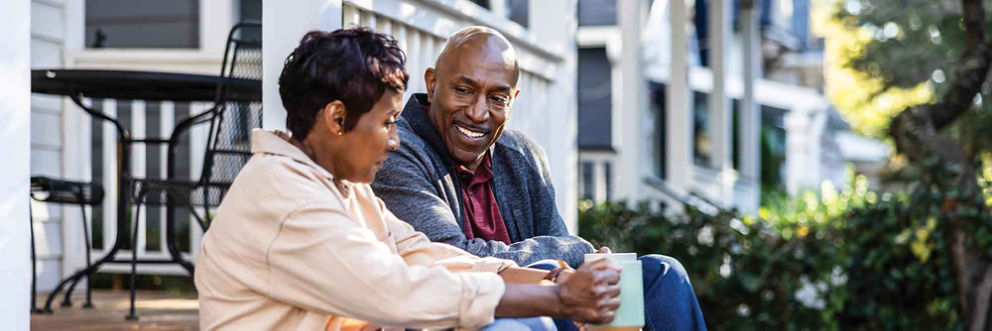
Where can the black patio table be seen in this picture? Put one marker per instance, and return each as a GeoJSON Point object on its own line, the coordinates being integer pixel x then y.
{"type": "Point", "coordinates": [136, 85]}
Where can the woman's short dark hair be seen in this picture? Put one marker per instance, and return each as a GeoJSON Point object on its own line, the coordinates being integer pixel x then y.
{"type": "Point", "coordinates": [353, 65]}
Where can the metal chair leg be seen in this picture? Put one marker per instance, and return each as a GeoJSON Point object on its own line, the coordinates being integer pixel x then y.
{"type": "Point", "coordinates": [79, 274]}
{"type": "Point", "coordinates": [131, 316]}
{"type": "Point", "coordinates": [34, 264]}
{"type": "Point", "coordinates": [66, 300]}
{"type": "Point", "coordinates": [86, 236]}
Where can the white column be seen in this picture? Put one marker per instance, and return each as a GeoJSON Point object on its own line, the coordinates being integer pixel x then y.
{"type": "Point", "coordinates": [283, 24]}
{"type": "Point", "coordinates": [720, 113]}
{"type": "Point", "coordinates": [561, 145]}
{"type": "Point", "coordinates": [15, 130]}
{"type": "Point", "coordinates": [678, 131]}
{"type": "Point", "coordinates": [634, 99]}
{"type": "Point", "coordinates": [750, 111]}
{"type": "Point", "coordinates": [800, 147]}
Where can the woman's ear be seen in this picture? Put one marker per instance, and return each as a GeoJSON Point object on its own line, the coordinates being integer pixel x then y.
{"type": "Point", "coordinates": [333, 115]}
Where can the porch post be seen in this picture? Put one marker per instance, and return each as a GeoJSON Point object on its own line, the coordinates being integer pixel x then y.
{"type": "Point", "coordinates": [679, 131]}
{"type": "Point", "coordinates": [750, 139]}
{"type": "Point", "coordinates": [722, 129]}
{"type": "Point", "coordinates": [633, 103]}
{"type": "Point", "coordinates": [15, 130]}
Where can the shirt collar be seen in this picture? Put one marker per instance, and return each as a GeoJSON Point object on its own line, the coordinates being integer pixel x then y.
{"type": "Point", "coordinates": [277, 143]}
{"type": "Point", "coordinates": [482, 174]}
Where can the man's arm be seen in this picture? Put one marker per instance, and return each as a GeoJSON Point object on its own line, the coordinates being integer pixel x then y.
{"type": "Point", "coordinates": [406, 188]}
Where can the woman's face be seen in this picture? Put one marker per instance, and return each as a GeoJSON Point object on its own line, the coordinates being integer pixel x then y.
{"type": "Point", "coordinates": [364, 149]}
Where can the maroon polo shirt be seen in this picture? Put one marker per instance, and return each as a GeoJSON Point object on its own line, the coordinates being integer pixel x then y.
{"type": "Point", "coordinates": [482, 216]}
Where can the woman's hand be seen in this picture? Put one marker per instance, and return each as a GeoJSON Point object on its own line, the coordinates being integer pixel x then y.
{"type": "Point", "coordinates": [591, 294]}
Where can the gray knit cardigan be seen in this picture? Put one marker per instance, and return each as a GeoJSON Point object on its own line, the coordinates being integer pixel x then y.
{"type": "Point", "coordinates": [419, 185]}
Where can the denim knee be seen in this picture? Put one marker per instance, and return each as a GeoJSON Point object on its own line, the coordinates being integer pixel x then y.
{"type": "Point", "coordinates": [546, 264]}
{"type": "Point", "coordinates": [663, 268]}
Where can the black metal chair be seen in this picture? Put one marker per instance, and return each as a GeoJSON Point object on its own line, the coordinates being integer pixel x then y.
{"type": "Point", "coordinates": [228, 148]}
{"type": "Point", "coordinates": [51, 190]}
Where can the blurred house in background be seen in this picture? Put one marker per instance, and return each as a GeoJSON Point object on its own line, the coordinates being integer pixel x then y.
{"type": "Point", "coordinates": [768, 126]}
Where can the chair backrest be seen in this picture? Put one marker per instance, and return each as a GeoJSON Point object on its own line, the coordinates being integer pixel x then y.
{"type": "Point", "coordinates": [229, 139]}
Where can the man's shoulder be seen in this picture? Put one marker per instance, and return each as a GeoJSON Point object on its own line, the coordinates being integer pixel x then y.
{"type": "Point", "coordinates": [408, 136]}
{"type": "Point", "coordinates": [516, 144]}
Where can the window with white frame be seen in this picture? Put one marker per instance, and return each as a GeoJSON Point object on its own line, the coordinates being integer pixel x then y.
{"type": "Point", "coordinates": [142, 24]}
{"type": "Point", "coordinates": [514, 10]}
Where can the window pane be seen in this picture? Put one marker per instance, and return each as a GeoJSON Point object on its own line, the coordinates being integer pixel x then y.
{"type": "Point", "coordinates": [482, 3]}
{"type": "Point", "coordinates": [773, 155]}
{"type": "Point", "coordinates": [658, 106]}
{"type": "Point", "coordinates": [516, 10]}
{"type": "Point", "coordinates": [588, 181]}
{"type": "Point", "coordinates": [702, 141]}
{"type": "Point", "coordinates": [597, 12]}
{"type": "Point", "coordinates": [142, 24]}
{"type": "Point", "coordinates": [595, 99]}
{"type": "Point", "coordinates": [608, 173]}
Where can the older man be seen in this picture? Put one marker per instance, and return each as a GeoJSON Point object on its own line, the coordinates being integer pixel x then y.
{"type": "Point", "coordinates": [460, 179]}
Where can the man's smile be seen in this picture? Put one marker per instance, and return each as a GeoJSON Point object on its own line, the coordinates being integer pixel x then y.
{"type": "Point", "coordinates": [470, 131]}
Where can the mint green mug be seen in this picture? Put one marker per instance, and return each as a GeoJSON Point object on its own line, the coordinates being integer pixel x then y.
{"type": "Point", "coordinates": [631, 311]}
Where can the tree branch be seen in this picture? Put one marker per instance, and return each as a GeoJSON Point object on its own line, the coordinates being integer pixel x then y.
{"type": "Point", "coordinates": [966, 80]}
{"type": "Point", "coordinates": [974, 22]}
{"type": "Point", "coordinates": [916, 132]}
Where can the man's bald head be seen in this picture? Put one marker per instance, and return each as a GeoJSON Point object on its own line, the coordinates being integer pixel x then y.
{"type": "Point", "coordinates": [477, 43]}
{"type": "Point", "coordinates": [470, 92]}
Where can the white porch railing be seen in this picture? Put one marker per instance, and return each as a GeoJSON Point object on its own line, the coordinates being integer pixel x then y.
{"type": "Point", "coordinates": [597, 182]}
{"type": "Point", "coordinates": [420, 28]}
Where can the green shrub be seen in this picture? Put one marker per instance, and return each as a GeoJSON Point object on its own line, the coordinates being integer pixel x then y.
{"type": "Point", "coordinates": [851, 259]}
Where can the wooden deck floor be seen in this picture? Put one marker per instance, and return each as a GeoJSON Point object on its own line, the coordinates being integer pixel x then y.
{"type": "Point", "coordinates": [156, 311]}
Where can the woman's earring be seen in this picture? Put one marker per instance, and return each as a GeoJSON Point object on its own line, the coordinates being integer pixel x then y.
{"type": "Point", "coordinates": [391, 143]}
{"type": "Point", "coordinates": [340, 132]}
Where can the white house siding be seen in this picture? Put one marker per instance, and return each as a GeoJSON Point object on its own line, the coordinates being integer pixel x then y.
{"type": "Point", "coordinates": [48, 38]}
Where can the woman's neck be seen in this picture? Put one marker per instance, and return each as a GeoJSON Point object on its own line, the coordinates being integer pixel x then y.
{"type": "Point", "coordinates": [310, 148]}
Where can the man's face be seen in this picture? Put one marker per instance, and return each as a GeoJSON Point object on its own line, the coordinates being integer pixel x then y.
{"type": "Point", "coordinates": [471, 94]}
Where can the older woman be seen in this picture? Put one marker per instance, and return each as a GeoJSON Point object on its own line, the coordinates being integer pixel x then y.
{"type": "Point", "coordinates": [301, 241]}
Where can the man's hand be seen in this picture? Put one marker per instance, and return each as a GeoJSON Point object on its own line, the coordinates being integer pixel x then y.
{"type": "Point", "coordinates": [604, 250]}
{"type": "Point", "coordinates": [591, 294]}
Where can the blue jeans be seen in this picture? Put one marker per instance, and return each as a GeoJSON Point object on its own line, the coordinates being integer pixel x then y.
{"type": "Point", "coordinates": [515, 324]}
{"type": "Point", "coordinates": [669, 300]}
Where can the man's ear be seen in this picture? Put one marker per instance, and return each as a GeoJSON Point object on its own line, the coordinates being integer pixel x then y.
{"type": "Point", "coordinates": [515, 95]}
{"type": "Point", "coordinates": [333, 116]}
{"type": "Point", "coordinates": [430, 79]}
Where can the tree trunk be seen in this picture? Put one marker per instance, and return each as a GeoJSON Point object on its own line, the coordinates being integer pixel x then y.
{"type": "Point", "coordinates": [916, 132]}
